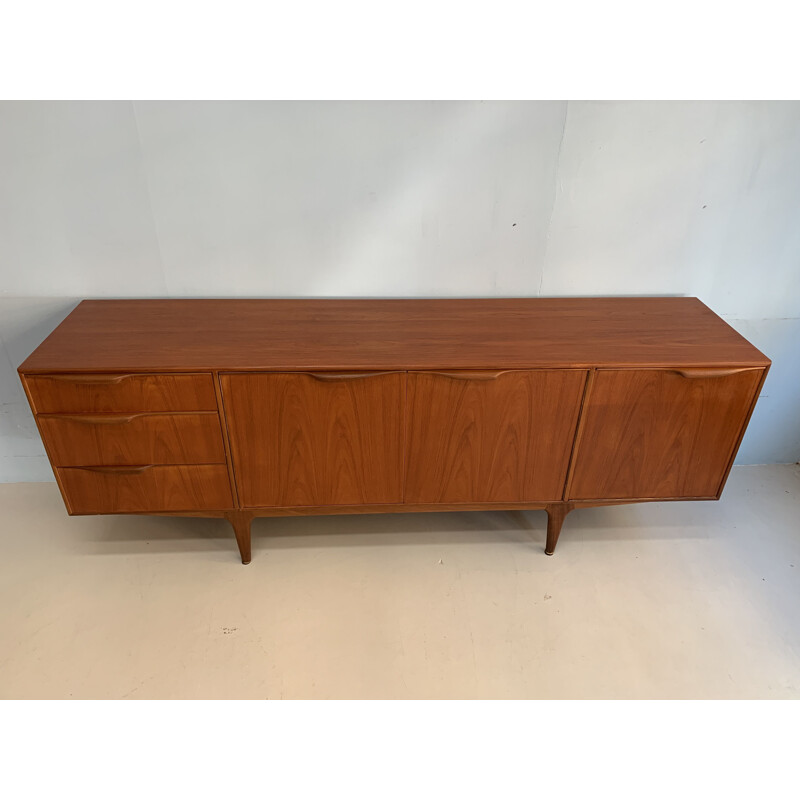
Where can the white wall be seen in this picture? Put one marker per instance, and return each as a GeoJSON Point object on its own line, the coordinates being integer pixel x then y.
{"type": "Point", "coordinates": [401, 199]}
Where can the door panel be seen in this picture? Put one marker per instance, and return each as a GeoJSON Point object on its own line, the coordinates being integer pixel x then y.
{"type": "Point", "coordinates": [490, 437]}
{"type": "Point", "coordinates": [660, 432]}
{"type": "Point", "coordinates": [301, 439]}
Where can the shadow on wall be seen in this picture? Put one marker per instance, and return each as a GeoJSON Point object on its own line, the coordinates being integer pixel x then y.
{"type": "Point", "coordinates": [773, 435]}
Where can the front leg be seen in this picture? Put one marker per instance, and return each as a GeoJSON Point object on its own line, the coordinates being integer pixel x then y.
{"type": "Point", "coordinates": [240, 520]}
{"type": "Point", "coordinates": [555, 519]}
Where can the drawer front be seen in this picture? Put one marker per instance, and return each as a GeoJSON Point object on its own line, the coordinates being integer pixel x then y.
{"type": "Point", "coordinates": [109, 490]}
{"type": "Point", "coordinates": [660, 432]}
{"type": "Point", "coordinates": [109, 393]}
{"type": "Point", "coordinates": [144, 438]}
{"type": "Point", "coordinates": [308, 439]}
{"type": "Point", "coordinates": [490, 436]}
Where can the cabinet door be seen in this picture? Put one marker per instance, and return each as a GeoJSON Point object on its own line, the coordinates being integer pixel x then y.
{"type": "Point", "coordinates": [490, 437]}
{"type": "Point", "coordinates": [314, 439]}
{"type": "Point", "coordinates": [660, 432]}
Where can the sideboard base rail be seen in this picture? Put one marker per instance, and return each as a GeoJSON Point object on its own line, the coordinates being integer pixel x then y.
{"type": "Point", "coordinates": [241, 519]}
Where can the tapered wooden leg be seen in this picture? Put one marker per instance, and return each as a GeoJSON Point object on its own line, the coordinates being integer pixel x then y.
{"type": "Point", "coordinates": [241, 527]}
{"type": "Point", "coordinates": [555, 519]}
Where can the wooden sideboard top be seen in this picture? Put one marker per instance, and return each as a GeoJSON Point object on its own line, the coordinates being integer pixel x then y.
{"type": "Point", "coordinates": [334, 334]}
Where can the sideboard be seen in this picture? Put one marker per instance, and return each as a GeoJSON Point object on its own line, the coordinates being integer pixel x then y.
{"type": "Point", "coordinates": [246, 408]}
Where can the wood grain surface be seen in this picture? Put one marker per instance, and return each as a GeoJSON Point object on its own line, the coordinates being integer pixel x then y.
{"type": "Point", "coordinates": [98, 490]}
{"type": "Point", "coordinates": [490, 436]}
{"type": "Point", "coordinates": [243, 408]}
{"type": "Point", "coordinates": [368, 334]}
{"type": "Point", "coordinates": [658, 433]}
{"type": "Point", "coordinates": [299, 440]}
{"type": "Point", "coordinates": [141, 438]}
{"type": "Point", "coordinates": [122, 392]}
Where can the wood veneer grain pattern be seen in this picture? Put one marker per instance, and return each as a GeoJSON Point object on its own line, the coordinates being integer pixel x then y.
{"type": "Point", "coordinates": [141, 438]}
{"type": "Point", "coordinates": [657, 433]}
{"type": "Point", "coordinates": [490, 436]}
{"type": "Point", "coordinates": [98, 490]}
{"type": "Point", "coordinates": [369, 334]}
{"type": "Point", "coordinates": [297, 440]}
{"type": "Point", "coordinates": [120, 392]}
{"type": "Point", "coordinates": [342, 449]}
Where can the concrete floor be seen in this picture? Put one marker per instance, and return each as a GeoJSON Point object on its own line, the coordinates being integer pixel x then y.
{"type": "Point", "coordinates": [670, 600]}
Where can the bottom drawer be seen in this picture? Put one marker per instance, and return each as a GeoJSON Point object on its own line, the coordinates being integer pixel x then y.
{"type": "Point", "coordinates": [108, 490]}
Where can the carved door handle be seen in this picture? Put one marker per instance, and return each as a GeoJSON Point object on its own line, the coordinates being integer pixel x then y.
{"type": "Point", "coordinates": [470, 374]}
{"type": "Point", "coordinates": [349, 376]}
{"type": "Point", "coordinates": [711, 372]}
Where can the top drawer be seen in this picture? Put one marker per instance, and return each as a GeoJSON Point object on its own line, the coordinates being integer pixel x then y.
{"type": "Point", "coordinates": [97, 393]}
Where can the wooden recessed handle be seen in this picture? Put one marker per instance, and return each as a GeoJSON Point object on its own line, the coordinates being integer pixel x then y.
{"type": "Point", "coordinates": [98, 379]}
{"type": "Point", "coordinates": [472, 374]}
{"type": "Point", "coordinates": [348, 376]}
{"type": "Point", "coordinates": [96, 419]}
{"type": "Point", "coordinates": [711, 372]}
{"type": "Point", "coordinates": [119, 470]}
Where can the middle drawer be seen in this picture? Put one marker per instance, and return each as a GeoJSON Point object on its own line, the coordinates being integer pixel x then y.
{"type": "Point", "coordinates": [77, 440]}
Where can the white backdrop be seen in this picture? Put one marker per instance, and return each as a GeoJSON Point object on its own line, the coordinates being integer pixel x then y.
{"type": "Point", "coordinates": [117, 199]}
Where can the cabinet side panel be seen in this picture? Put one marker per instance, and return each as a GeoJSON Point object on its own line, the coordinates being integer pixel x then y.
{"type": "Point", "coordinates": [745, 423]}
{"type": "Point", "coordinates": [226, 438]}
{"type": "Point", "coordinates": [32, 404]}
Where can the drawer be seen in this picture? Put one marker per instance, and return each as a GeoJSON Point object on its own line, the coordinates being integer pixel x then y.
{"type": "Point", "coordinates": [109, 490]}
{"type": "Point", "coordinates": [90, 393]}
{"type": "Point", "coordinates": [143, 438]}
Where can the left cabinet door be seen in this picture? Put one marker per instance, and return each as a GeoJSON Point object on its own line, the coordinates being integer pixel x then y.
{"type": "Point", "coordinates": [316, 438]}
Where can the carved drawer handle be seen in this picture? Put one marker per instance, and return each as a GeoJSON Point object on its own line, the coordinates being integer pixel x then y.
{"type": "Point", "coordinates": [118, 470]}
{"type": "Point", "coordinates": [97, 379]}
{"type": "Point", "coordinates": [471, 374]}
{"type": "Point", "coordinates": [711, 372]}
{"type": "Point", "coordinates": [348, 376]}
{"type": "Point", "coordinates": [96, 419]}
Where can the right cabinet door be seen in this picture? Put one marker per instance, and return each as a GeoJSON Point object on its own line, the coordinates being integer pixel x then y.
{"type": "Point", "coordinates": [490, 436]}
{"type": "Point", "coordinates": [659, 432]}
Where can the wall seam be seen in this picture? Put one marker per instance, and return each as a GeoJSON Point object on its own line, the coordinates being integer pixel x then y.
{"type": "Point", "coordinates": [556, 185]}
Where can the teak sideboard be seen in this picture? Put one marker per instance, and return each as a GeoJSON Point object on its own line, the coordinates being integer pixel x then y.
{"type": "Point", "coordinates": [245, 408]}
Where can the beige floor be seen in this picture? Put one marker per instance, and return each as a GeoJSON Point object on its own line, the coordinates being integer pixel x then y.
{"type": "Point", "coordinates": [671, 600]}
